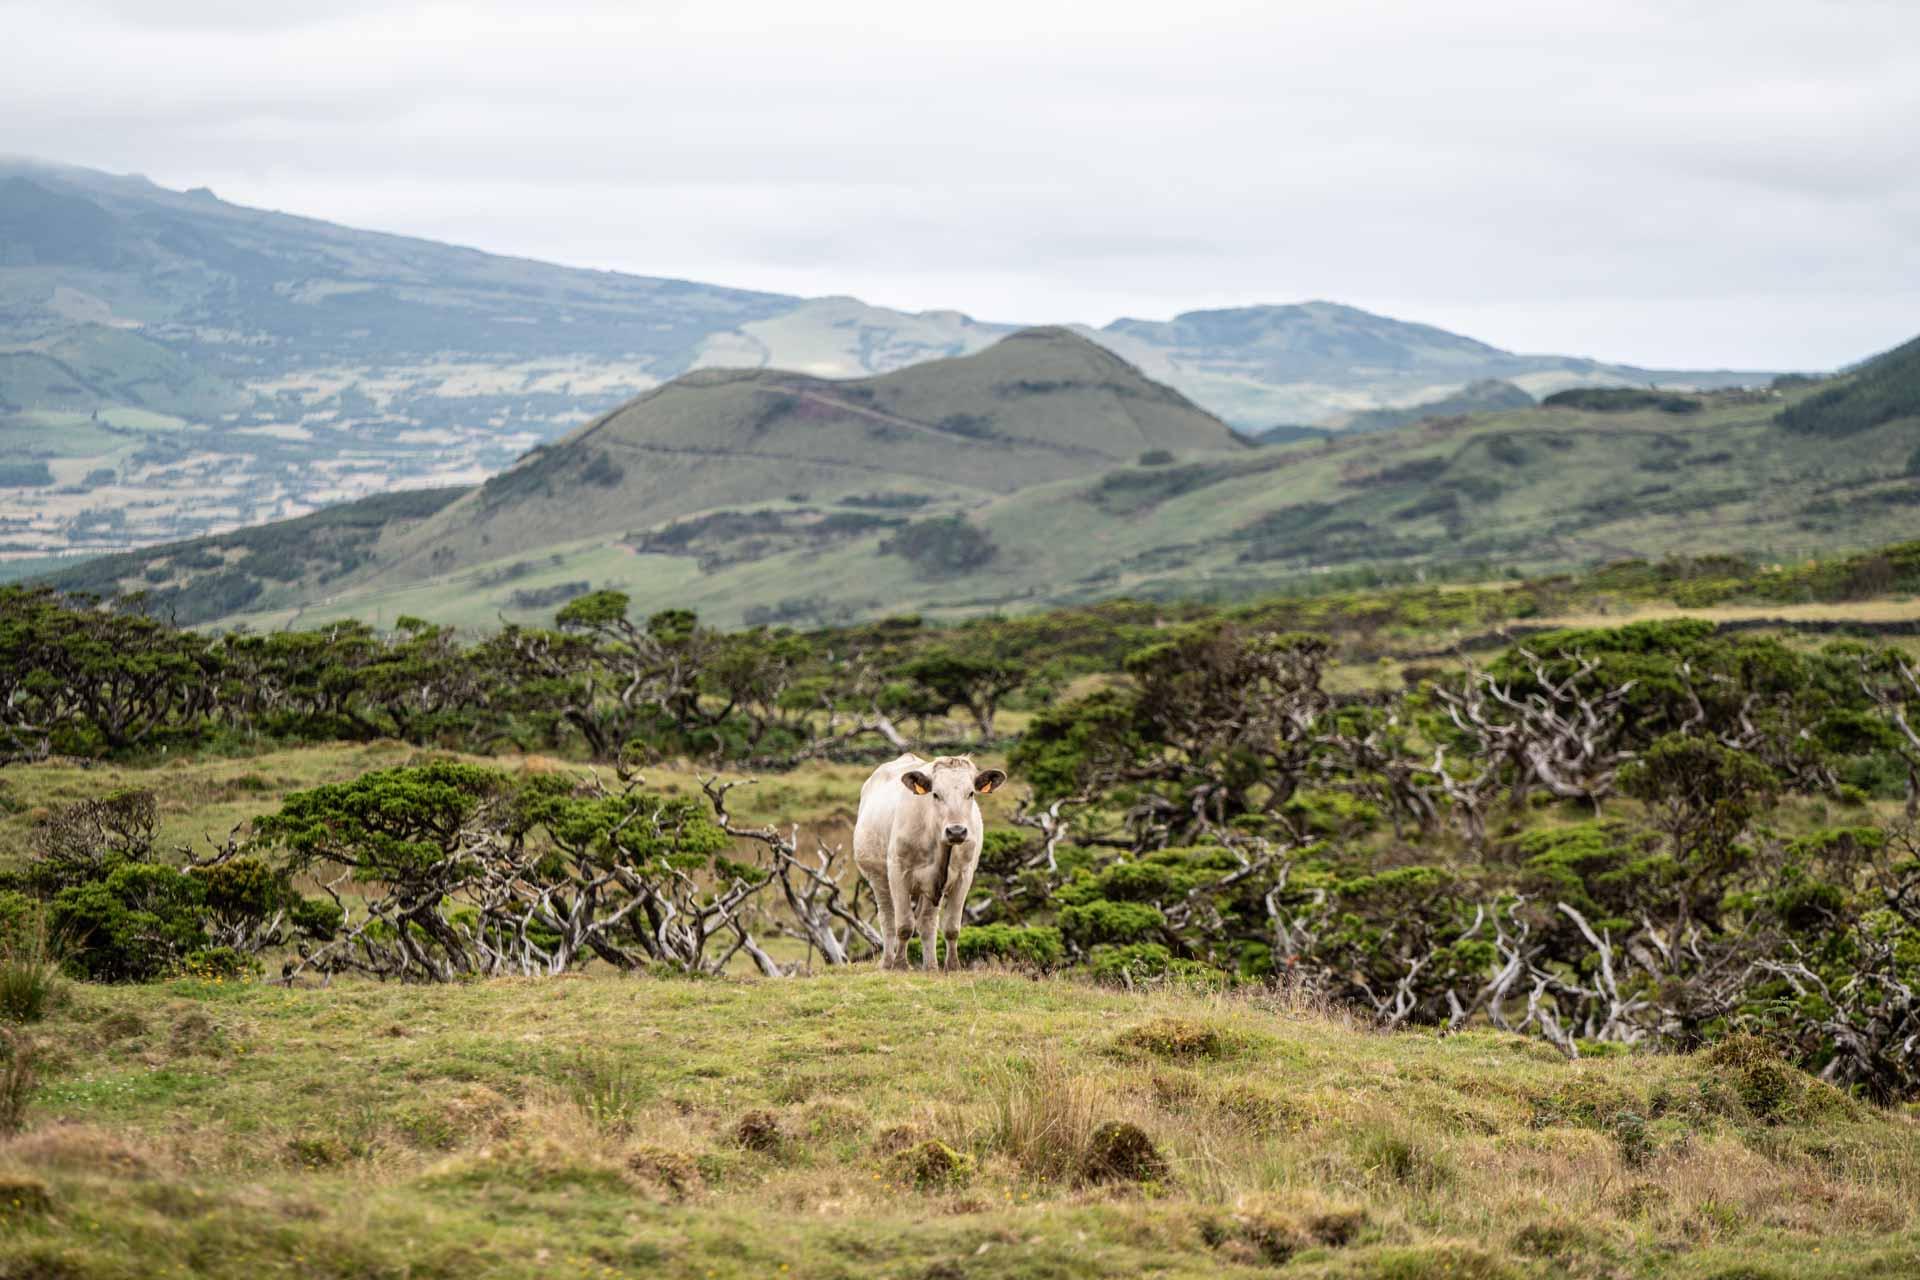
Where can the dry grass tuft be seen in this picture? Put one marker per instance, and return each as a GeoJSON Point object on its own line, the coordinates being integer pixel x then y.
{"type": "Point", "coordinates": [122, 1024]}
{"type": "Point", "coordinates": [29, 972]}
{"type": "Point", "coordinates": [674, 1172]}
{"type": "Point", "coordinates": [933, 1165]}
{"type": "Point", "coordinates": [1389, 1155]}
{"type": "Point", "coordinates": [898, 1138]}
{"type": "Point", "coordinates": [834, 1118]}
{"type": "Point", "coordinates": [1119, 1151]}
{"type": "Point", "coordinates": [80, 1148]}
{"type": "Point", "coordinates": [479, 1112]}
{"type": "Point", "coordinates": [19, 1077]}
{"type": "Point", "coordinates": [1768, 1088]}
{"type": "Point", "coordinates": [193, 1032]}
{"type": "Point", "coordinates": [1262, 1231]}
{"type": "Point", "coordinates": [22, 1196]}
{"type": "Point", "coordinates": [1043, 1118]}
{"type": "Point", "coordinates": [1181, 1039]}
{"type": "Point", "coordinates": [759, 1131]}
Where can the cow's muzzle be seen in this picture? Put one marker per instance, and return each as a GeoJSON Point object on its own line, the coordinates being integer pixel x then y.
{"type": "Point", "coordinates": [956, 834]}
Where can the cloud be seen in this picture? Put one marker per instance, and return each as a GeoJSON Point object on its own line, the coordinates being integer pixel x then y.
{"type": "Point", "coordinates": [1697, 184]}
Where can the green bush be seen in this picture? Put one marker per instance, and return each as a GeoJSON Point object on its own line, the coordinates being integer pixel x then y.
{"type": "Point", "coordinates": [1102, 922]}
{"type": "Point", "coordinates": [1621, 400]}
{"type": "Point", "coordinates": [1036, 946]}
{"type": "Point", "coordinates": [137, 923]}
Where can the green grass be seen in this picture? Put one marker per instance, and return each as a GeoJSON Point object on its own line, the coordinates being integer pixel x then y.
{"type": "Point", "coordinates": [598, 1125]}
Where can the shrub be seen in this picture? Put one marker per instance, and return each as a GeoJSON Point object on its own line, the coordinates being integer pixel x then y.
{"type": "Point", "coordinates": [1035, 946]}
{"type": "Point", "coordinates": [135, 924]}
{"type": "Point", "coordinates": [1621, 400]}
{"type": "Point", "coordinates": [25, 475]}
{"type": "Point", "coordinates": [943, 546]}
{"type": "Point", "coordinates": [1103, 922]}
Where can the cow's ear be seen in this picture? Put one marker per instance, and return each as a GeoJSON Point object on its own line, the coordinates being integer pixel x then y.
{"type": "Point", "coordinates": [917, 782]}
{"type": "Point", "coordinates": [987, 779]}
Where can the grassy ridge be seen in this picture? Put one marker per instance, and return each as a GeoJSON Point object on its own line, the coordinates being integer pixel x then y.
{"type": "Point", "coordinates": [1534, 491]}
{"type": "Point", "coordinates": [763, 1128]}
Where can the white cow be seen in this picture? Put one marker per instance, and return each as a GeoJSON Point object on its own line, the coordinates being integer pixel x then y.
{"type": "Point", "coordinates": [917, 840]}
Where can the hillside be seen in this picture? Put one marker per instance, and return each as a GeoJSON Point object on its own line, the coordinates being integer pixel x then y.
{"type": "Point", "coordinates": [1881, 390]}
{"type": "Point", "coordinates": [733, 465]}
{"type": "Point", "coordinates": [1488, 395]}
{"type": "Point", "coordinates": [173, 365]}
{"type": "Point", "coordinates": [976, 484]}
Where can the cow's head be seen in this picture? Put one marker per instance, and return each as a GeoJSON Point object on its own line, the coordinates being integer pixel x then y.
{"type": "Point", "coordinates": [949, 784]}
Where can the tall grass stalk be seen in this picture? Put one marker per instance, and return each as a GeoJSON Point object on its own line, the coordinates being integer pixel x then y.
{"type": "Point", "coordinates": [29, 971]}
{"type": "Point", "coordinates": [18, 1054]}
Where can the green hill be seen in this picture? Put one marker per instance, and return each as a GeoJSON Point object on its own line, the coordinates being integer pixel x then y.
{"type": "Point", "coordinates": [1884, 389]}
{"type": "Point", "coordinates": [1046, 471]}
{"type": "Point", "coordinates": [1043, 405]}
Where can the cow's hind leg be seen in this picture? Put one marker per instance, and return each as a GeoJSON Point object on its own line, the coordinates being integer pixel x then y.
{"type": "Point", "coordinates": [884, 900]}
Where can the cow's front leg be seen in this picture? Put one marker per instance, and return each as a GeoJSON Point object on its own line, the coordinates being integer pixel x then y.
{"type": "Point", "coordinates": [903, 920]}
{"type": "Point", "coordinates": [929, 932]}
{"type": "Point", "coordinates": [953, 912]}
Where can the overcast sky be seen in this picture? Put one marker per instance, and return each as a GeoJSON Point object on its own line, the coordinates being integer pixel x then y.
{"type": "Point", "coordinates": [1679, 182]}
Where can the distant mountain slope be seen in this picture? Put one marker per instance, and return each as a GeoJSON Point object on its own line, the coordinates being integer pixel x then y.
{"type": "Point", "coordinates": [1879, 390]}
{"type": "Point", "coordinates": [219, 278]}
{"type": "Point", "coordinates": [176, 365]}
{"type": "Point", "coordinates": [1488, 395]}
{"type": "Point", "coordinates": [1046, 471]}
{"type": "Point", "coordinates": [1312, 363]}
{"type": "Point", "coordinates": [210, 577]}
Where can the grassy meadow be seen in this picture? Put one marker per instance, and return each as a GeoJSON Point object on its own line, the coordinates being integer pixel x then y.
{"type": "Point", "coordinates": [855, 1123]}
{"type": "Point", "coordinates": [866, 1124]}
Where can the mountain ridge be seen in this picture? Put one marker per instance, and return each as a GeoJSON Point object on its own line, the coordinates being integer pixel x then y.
{"type": "Point", "coordinates": [220, 366]}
